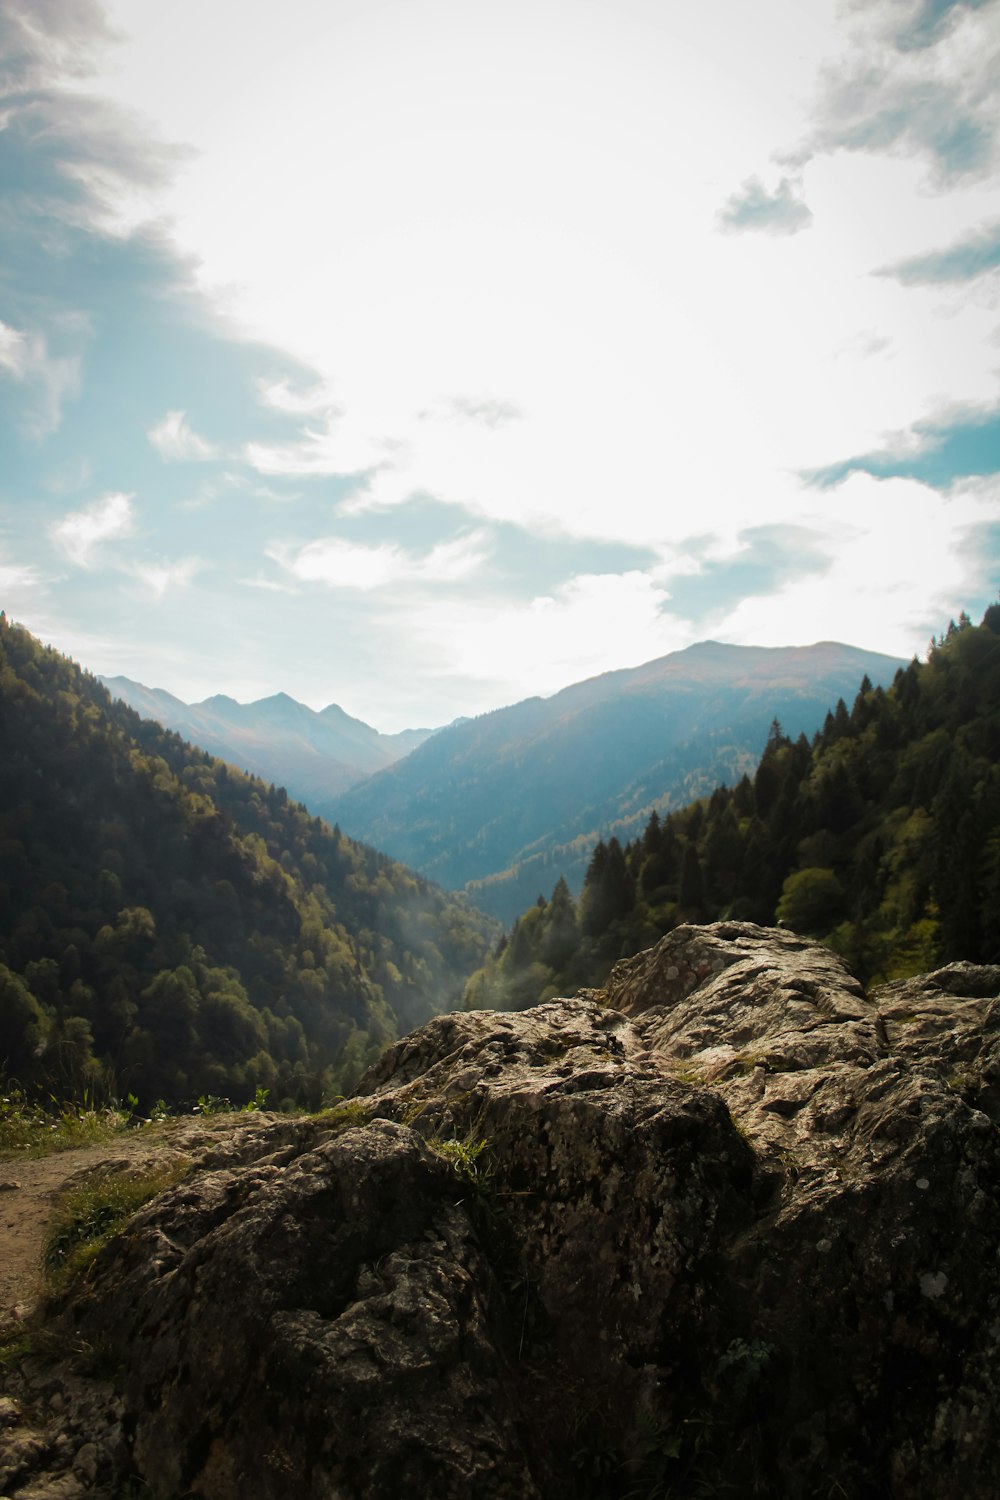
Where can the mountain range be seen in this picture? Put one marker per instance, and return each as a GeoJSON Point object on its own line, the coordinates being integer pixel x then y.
{"type": "Point", "coordinates": [313, 755]}
{"type": "Point", "coordinates": [500, 806]}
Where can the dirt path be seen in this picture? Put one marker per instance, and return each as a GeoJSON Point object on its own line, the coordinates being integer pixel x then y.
{"type": "Point", "coordinates": [28, 1191]}
{"type": "Point", "coordinates": [29, 1187]}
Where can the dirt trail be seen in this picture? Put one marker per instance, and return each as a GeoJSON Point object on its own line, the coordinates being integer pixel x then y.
{"type": "Point", "coordinates": [29, 1188]}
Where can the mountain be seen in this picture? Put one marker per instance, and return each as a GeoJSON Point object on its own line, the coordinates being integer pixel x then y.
{"type": "Point", "coordinates": [731, 1231]}
{"type": "Point", "coordinates": [501, 805]}
{"type": "Point", "coordinates": [172, 927]}
{"type": "Point", "coordinates": [881, 837]}
{"type": "Point", "coordinates": [313, 755]}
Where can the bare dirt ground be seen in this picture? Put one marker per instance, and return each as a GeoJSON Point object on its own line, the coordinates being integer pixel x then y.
{"type": "Point", "coordinates": [29, 1189]}
{"type": "Point", "coordinates": [31, 1186]}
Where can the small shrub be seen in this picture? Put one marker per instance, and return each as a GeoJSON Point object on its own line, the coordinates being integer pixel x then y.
{"type": "Point", "coordinates": [214, 1104]}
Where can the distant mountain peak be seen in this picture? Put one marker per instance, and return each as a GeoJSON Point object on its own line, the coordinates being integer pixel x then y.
{"type": "Point", "coordinates": [217, 700]}
{"type": "Point", "coordinates": [503, 804]}
{"type": "Point", "coordinates": [280, 698]}
{"type": "Point", "coordinates": [315, 756]}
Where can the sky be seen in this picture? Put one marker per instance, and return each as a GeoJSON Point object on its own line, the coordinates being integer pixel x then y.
{"type": "Point", "coordinates": [425, 355]}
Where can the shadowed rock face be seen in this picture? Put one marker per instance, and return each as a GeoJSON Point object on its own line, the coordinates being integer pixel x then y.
{"type": "Point", "coordinates": [734, 1230]}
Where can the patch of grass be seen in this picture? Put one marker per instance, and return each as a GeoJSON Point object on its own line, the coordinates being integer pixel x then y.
{"type": "Point", "coordinates": [745, 1063]}
{"type": "Point", "coordinates": [37, 1341]}
{"type": "Point", "coordinates": [412, 1111]}
{"type": "Point", "coordinates": [86, 1219]}
{"type": "Point", "coordinates": [344, 1115]}
{"type": "Point", "coordinates": [689, 1075]}
{"type": "Point", "coordinates": [464, 1156]}
{"type": "Point", "coordinates": [430, 1108]}
{"type": "Point", "coordinates": [16, 1343]}
{"type": "Point", "coordinates": [31, 1127]}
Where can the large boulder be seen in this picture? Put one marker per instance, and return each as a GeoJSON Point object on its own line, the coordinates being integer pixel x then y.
{"type": "Point", "coordinates": [727, 1226]}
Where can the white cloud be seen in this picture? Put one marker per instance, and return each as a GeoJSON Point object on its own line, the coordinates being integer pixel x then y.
{"type": "Point", "coordinates": [17, 581]}
{"type": "Point", "coordinates": [344, 443]}
{"type": "Point", "coordinates": [899, 561]}
{"type": "Point", "coordinates": [81, 534]}
{"type": "Point", "coordinates": [220, 486]}
{"type": "Point", "coordinates": [348, 565]}
{"type": "Point", "coordinates": [159, 579]}
{"type": "Point", "coordinates": [51, 379]}
{"type": "Point", "coordinates": [752, 207]}
{"type": "Point", "coordinates": [594, 623]}
{"type": "Point", "coordinates": [934, 99]}
{"type": "Point", "coordinates": [268, 585]}
{"type": "Point", "coordinates": [13, 351]}
{"type": "Point", "coordinates": [15, 575]}
{"type": "Point", "coordinates": [491, 411]}
{"type": "Point", "coordinates": [280, 395]}
{"type": "Point", "coordinates": [895, 560]}
{"type": "Point", "coordinates": [175, 441]}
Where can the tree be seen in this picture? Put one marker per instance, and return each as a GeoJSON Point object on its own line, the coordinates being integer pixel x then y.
{"type": "Point", "coordinates": [609, 891]}
{"type": "Point", "coordinates": [22, 1025]}
{"type": "Point", "coordinates": [691, 897]}
{"type": "Point", "coordinates": [561, 934]}
{"type": "Point", "coordinates": [812, 902]}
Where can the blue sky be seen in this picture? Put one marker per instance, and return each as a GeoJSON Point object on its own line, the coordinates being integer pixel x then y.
{"type": "Point", "coordinates": [421, 357]}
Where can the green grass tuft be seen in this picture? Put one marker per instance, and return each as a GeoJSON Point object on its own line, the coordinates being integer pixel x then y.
{"type": "Point", "coordinates": [344, 1115]}
{"type": "Point", "coordinates": [86, 1219]}
{"type": "Point", "coordinates": [464, 1156]}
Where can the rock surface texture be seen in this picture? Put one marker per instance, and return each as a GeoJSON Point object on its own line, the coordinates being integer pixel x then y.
{"type": "Point", "coordinates": [726, 1227]}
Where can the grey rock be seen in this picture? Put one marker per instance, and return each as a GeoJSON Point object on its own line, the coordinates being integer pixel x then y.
{"type": "Point", "coordinates": [728, 1226]}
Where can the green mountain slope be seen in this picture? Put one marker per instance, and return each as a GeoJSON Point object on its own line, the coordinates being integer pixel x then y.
{"type": "Point", "coordinates": [501, 805]}
{"type": "Point", "coordinates": [185, 928]}
{"type": "Point", "coordinates": [881, 837]}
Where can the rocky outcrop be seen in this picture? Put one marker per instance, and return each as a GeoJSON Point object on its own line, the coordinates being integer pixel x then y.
{"type": "Point", "coordinates": [728, 1226]}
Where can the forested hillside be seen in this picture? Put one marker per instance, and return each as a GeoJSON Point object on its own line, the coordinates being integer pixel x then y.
{"type": "Point", "coordinates": [177, 928]}
{"type": "Point", "coordinates": [881, 837]}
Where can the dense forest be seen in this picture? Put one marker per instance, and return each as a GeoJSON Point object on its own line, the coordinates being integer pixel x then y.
{"type": "Point", "coordinates": [172, 928]}
{"type": "Point", "coordinates": [881, 837]}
